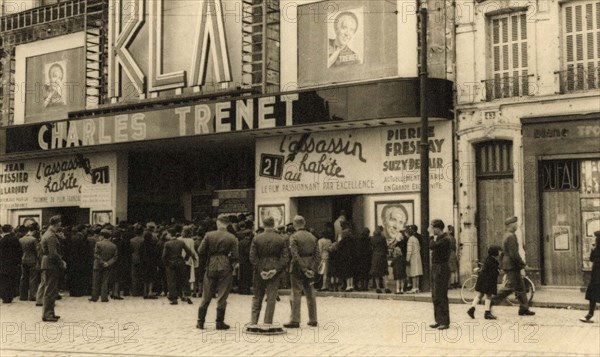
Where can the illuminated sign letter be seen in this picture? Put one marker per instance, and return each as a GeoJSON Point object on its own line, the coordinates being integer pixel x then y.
{"type": "Point", "coordinates": [160, 81]}
{"type": "Point", "coordinates": [210, 32]}
{"type": "Point", "coordinates": [122, 30]}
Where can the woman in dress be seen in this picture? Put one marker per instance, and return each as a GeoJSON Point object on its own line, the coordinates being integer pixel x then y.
{"type": "Point", "coordinates": [592, 293]}
{"type": "Point", "coordinates": [414, 265]}
{"type": "Point", "coordinates": [378, 258]}
{"type": "Point", "coordinates": [324, 244]}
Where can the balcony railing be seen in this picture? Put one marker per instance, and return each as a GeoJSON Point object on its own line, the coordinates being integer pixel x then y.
{"type": "Point", "coordinates": [580, 78]}
{"type": "Point", "coordinates": [41, 15]}
{"type": "Point", "coordinates": [507, 87]}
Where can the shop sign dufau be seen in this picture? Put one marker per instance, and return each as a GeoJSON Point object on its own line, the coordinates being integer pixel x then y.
{"type": "Point", "coordinates": [187, 45]}
{"type": "Point", "coordinates": [77, 180]}
{"type": "Point", "coordinates": [364, 161]}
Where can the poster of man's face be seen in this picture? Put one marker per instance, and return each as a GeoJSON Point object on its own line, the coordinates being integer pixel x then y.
{"type": "Point", "coordinates": [275, 211]}
{"type": "Point", "coordinates": [55, 76]}
{"type": "Point", "coordinates": [345, 36]}
{"type": "Point", "coordinates": [394, 216]}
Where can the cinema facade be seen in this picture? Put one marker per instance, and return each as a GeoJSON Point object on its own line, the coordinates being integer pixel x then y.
{"type": "Point", "coordinates": [225, 120]}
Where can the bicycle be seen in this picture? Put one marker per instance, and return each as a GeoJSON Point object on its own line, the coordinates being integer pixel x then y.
{"type": "Point", "coordinates": [468, 293]}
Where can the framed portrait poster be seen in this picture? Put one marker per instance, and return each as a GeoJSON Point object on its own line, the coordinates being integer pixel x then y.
{"type": "Point", "coordinates": [276, 211]}
{"type": "Point", "coordinates": [101, 217]}
{"type": "Point", "coordinates": [26, 220]}
{"type": "Point", "coordinates": [394, 216]}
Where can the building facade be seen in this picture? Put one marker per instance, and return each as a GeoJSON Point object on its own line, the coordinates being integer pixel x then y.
{"type": "Point", "coordinates": [528, 131]}
{"type": "Point", "coordinates": [121, 112]}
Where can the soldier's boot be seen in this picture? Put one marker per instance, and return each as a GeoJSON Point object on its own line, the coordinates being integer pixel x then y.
{"type": "Point", "coordinates": [221, 325]}
{"type": "Point", "coordinates": [201, 317]}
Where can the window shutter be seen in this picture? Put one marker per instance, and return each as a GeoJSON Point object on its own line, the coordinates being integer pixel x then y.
{"type": "Point", "coordinates": [581, 45]}
{"type": "Point", "coordinates": [509, 56]}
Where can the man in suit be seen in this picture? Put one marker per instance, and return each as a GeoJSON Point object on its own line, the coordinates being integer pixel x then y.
{"type": "Point", "coordinates": [10, 264]}
{"type": "Point", "coordinates": [30, 274]}
{"type": "Point", "coordinates": [172, 257]}
{"type": "Point", "coordinates": [135, 243]}
{"type": "Point", "coordinates": [513, 265]}
{"type": "Point", "coordinates": [269, 255]}
{"type": "Point", "coordinates": [105, 256]}
{"type": "Point", "coordinates": [440, 246]}
{"type": "Point", "coordinates": [305, 261]}
{"type": "Point", "coordinates": [51, 266]}
{"type": "Point", "coordinates": [219, 253]}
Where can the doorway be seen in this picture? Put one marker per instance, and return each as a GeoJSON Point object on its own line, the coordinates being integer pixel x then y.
{"type": "Point", "coordinates": [320, 211]}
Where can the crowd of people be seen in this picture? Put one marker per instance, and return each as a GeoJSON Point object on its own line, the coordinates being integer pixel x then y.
{"type": "Point", "coordinates": [205, 258]}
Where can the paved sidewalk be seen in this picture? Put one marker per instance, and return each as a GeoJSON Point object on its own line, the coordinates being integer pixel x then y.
{"type": "Point", "coordinates": [543, 297]}
{"type": "Point", "coordinates": [347, 327]}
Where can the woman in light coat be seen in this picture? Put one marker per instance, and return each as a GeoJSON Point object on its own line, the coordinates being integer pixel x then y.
{"type": "Point", "coordinates": [414, 265]}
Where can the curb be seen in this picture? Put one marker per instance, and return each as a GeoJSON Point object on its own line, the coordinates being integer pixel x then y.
{"type": "Point", "coordinates": [426, 297]}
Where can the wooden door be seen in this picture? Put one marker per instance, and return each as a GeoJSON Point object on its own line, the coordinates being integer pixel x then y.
{"type": "Point", "coordinates": [495, 203]}
{"type": "Point", "coordinates": [561, 238]}
{"type": "Point", "coordinates": [316, 211]}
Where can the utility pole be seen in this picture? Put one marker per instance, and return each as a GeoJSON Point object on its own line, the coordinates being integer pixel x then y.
{"type": "Point", "coordinates": [424, 144]}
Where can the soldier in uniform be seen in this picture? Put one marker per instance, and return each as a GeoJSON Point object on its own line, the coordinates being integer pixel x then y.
{"type": "Point", "coordinates": [10, 264]}
{"type": "Point", "coordinates": [304, 265]}
{"type": "Point", "coordinates": [51, 265]}
{"type": "Point", "coordinates": [30, 274]}
{"type": "Point", "coordinates": [269, 255]}
{"type": "Point", "coordinates": [135, 243]}
{"type": "Point", "coordinates": [513, 265]}
{"type": "Point", "coordinates": [219, 253]}
{"type": "Point", "coordinates": [105, 256]}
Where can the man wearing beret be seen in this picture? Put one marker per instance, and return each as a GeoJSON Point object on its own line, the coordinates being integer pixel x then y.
{"type": "Point", "coordinates": [219, 253]}
{"type": "Point", "coordinates": [440, 246]}
{"type": "Point", "coordinates": [512, 264]}
{"type": "Point", "coordinates": [51, 265]}
{"type": "Point", "coordinates": [105, 256]}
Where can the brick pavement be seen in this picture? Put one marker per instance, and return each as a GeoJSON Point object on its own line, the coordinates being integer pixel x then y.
{"type": "Point", "coordinates": [348, 327]}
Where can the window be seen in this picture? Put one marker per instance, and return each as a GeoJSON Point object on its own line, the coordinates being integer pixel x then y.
{"type": "Point", "coordinates": [509, 63]}
{"type": "Point", "coordinates": [581, 46]}
{"type": "Point", "coordinates": [494, 159]}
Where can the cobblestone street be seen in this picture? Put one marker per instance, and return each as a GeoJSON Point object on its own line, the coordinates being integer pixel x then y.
{"type": "Point", "coordinates": [347, 327]}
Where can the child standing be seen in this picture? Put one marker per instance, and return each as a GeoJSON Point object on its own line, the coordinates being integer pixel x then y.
{"type": "Point", "coordinates": [487, 283]}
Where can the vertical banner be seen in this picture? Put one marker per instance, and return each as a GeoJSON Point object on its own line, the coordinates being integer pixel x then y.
{"type": "Point", "coordinates": [340, 41]}
{"type": "Point", "coordinates": [55, 85]}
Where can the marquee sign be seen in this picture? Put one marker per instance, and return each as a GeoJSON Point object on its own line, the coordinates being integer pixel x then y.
{"type": "Point", "coordinates": [391, 99]}
{"type": "Point", "coordinates": [159, 45]}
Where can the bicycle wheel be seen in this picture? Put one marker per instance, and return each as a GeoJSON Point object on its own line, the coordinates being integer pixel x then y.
{"type": "Point", "coordinates": [529, 292]}
{"type": "Point", "coordinates": [467, 291]}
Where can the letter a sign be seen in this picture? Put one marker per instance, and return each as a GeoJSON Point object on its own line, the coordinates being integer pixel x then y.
{"type": "Point", "coordinates": [128, 20]}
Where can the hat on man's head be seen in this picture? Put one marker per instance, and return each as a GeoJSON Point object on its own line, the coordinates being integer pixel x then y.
{"type": "Point", "coordinates": [105, 233]}
{"type": "Point", "coordinates": [55, 220]}
{"type": "Point", "coordinates": [438, 223]}
{"type": "Point", "coordinates": [510, 220]}
{"type": "Point", "coordinates": [224, 219]}
{"type": "Point", "coordinates": [597, 234]}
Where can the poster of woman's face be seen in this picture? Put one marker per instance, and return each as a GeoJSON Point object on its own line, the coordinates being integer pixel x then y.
{"type": "Point", "coordinates": [101, 217]}
{"type": "Point", "coordinates": [394, 216]}
{"type": "Point", "coordinates": [345, 35]}
{"type": "Point", "coordinates": [55, 75]}
{"type": "Point", "coordinates": [275, 211]}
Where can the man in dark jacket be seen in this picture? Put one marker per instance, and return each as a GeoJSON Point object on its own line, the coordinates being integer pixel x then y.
{"type": "Point", "coordinates": [245, 272]}
{"type": "Point", "coordinates": [172, 257]}
{"type": "Point", "coordinates": [219, 253]}
{"type": "Point", "coordinates": [440, 246]}
{"type": "Point", "coordinates": [135, 243]}
{"type": "Point", "coordinates": [10, 264]}
{"type": "Point", "coordinates": [105, 256]}
{"type": "Point", "coordinates": [269, 255]}
{"type": "Point", "coordinates": [52, 264]}
{"type": "Point", "coordinates": [512, 264]}
{"type": "Point", "coordinates": [305, 259]}
{"type": "Point", "coordinates": [30, 274]}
